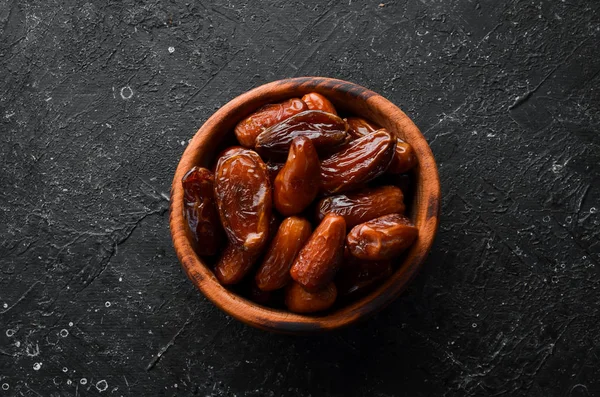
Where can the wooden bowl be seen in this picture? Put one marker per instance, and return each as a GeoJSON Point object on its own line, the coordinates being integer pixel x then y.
{"type": "Point", "coordinates": [346, 97]}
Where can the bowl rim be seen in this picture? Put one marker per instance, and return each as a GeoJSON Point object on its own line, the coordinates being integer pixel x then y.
{"type": "Point", "coordinates": [425, 215]}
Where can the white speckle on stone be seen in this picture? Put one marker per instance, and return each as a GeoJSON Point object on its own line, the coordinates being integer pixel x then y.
{"type": "Point", "coordinates": [546, 218]}
{"type": "Point", "coordinates": [556, 168]}
{"type": "Point", "coordinates": [5, 305]}
{"type": "Point", "coordinates": [101, 385]}
{"type": "Point", "coordinates": [37, 366]}
{"type": "Point", "coordinates": [175, 385]}
{"type": "Point", "coordinates": [126, 92]}
{"type": "Point", "coordinates": [171, 50]}
{"type": "Point", "coordinates": [10, 332]}
{"type": "Point", "coordinates": [490, 135]}
{"type": "Point", "coordinates": [83, 381]}
{"type": "Point", "coordinates": [64, 333]}
{"type": "Point", "coordinates": [65, 369]}
{"type": "Point", "coordinates": [120, 278]}
{"type": "Point", "coordinates": [569, 219]}
{"type": "Point", "coordinates": [473, 132]}
{"type": "Point", "coordinates": [593, 210]}
{"type": "Point", "coordinates": [70, 323]}
{"type": "Point", "coordinates": [17, 343]}
{"type": "Point", "coordinates": [107, 304]}
{"type": "Point", "coordinates": [5, 386]}
{"type": "Point", "coordinates": [182, 143]}
{"type": "Point", "coordinates": [69, 381]}
{"type": "Point", "coordinates": [474, 325]}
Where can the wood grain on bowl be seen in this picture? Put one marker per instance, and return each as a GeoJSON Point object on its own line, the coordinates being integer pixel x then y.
{"type": "Point", "coordinates": [346, 97]}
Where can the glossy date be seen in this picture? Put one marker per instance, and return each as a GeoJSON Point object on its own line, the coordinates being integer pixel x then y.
{"type": "Point", "coordinates": [316, 101]}
{"type": "Point", "coordinates": [325, 130]}
{"type": "Point", "coordinates": [243, 195]}
{"type": "Point", "coordinates": [381, 238]}
{"type": "Point", "coordinates": [363, 205]}
{"type": "Point", "coordinates": [200, 211]}
{"type": "Point", "coordinates": [318, 261]}
{"type": "Point", "coordinates": [248, 129]}
{"type": "Point", "coordinates": [359, 162]}
{"type": "Point", "coordinates": [274, 271]}
{"type": "Point", "coordinates": [297, 184]}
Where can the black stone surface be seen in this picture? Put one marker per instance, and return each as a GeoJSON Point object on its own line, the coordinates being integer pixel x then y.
{"type": "Point", "coordinates": [98, 100]}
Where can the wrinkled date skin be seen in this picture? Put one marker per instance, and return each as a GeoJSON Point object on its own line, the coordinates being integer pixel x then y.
{"type": "Point", "coordinates": [364, 205]}
{"type": "Point", "coordinates": [359, 162]}
{"type": "Point", "coordinates": [316, 101]}
{"type": "Point", "coordinates": [243, 195]}
{"type": "Point", "coordinates": [381, 238]}
{"type": "Point", "coordinates": [357, 276]}
{"type": "Point", "coordinates": [299, 300]}
{"type": "Point", "coordinates": [357, 127]}
{"type": "Point", "coordinates": [201, 211]}
{"type": "Point", "coordinates": [319, 260]}
{"type": "Point", "coordinates": [297, 184]}
{"type": "Point", "coordinates": [325, 130]}
{"type": "Point", "coordinates": [234, 264]}
{"type": "Point", "coordinates": [248, 129]}
{"type": "Point", "coordinates": [274, 271]}
{"type": "Point", "coordinates": [404, 158]}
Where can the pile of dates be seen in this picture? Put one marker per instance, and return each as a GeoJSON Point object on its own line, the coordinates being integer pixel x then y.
{"type": "Point", "coordinates": [295, 215]}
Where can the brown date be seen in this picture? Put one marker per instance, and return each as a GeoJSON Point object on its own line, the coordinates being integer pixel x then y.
{"type": "Point", "coordinates": [357, 127]}
{"type": "Point", "coordinates": [297, 184]}
{"type": "Point", "coordinates": [356, 276]}
{"type": "Point", "coordinates": [325, 130]}
{"type": "Point", "coordinates": [248, 129]}
{"type": "Point", "coordinates": [200, 211]}
{"type": "Point", "coordinates": [299, 300]}
{"type": "Point", "coordinates": [274, 272]}
{"type": "Point", "coordinates": [319, 260]}
{"type": "Point", "coordinates": [381, 238]}
{"type": "Point", "coordinates": [359, 162]}
{"type": "Point", "coordinates": [243, 195]}
{"type": "Point", "coordinates": [404, 158]}
{"type": "Point", "coordinates": [316, 101]}
{"type": "Point", "coordinates": [364, 205]}
{"type": "Point", "coordinates": [234, 264]}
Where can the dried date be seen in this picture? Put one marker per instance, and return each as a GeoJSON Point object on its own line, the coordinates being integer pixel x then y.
{"type": "Point", "coordinates": [248, 129]}
{"type": "Point", "coordinates": [243, 195]}
{"type": "Point", "coordinates": [325, 130]}
{"type": "Point", "coordinates": [234, 264]}
{"type": "Point", "coordinates": [297, 184]}
{"type": "Point", "coordinates": [404, 158]}
{"type": "Point", "coordinates": [381, 238]}
{"type": "Point", "coordinates": [274, 272]}
{"type": "Point", "coordinates": [316, 101]}
{"type": "Point", "coordinates": [364, 205]}
{"type": "Point", "coordinates": [200, 211]}
{"type": "Point", "coordinates": [359, 162]}
{"type": "Point", "coordinates": [318, 261]}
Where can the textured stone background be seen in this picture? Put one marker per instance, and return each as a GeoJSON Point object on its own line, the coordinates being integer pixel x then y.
{"type": "Point", "coordinates": [99, 99]}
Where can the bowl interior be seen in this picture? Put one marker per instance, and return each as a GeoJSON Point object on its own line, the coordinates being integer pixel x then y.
{"type": "Point", "coordinates": [217, 132]}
